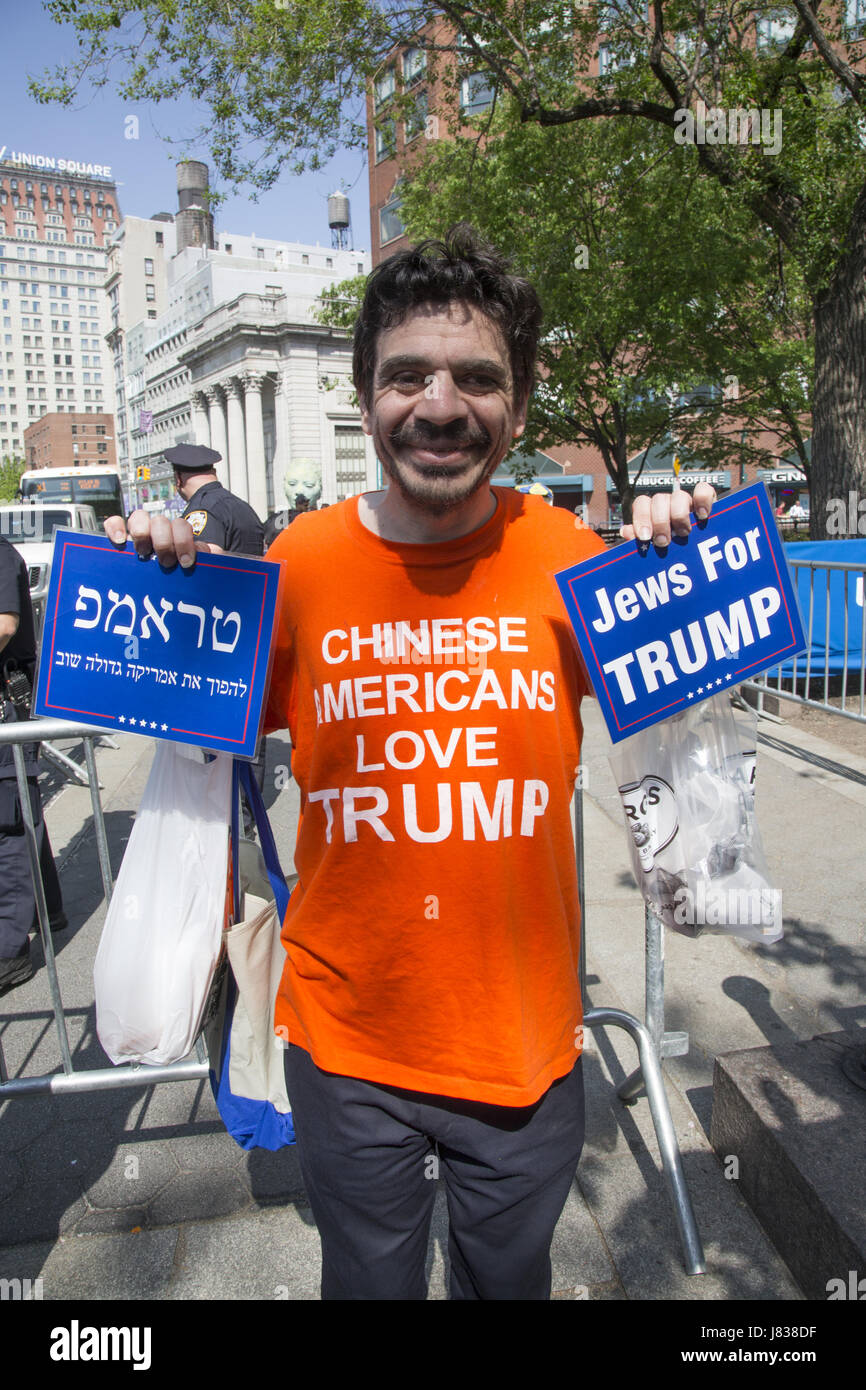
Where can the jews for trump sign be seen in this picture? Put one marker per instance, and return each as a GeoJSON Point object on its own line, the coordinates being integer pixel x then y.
{"type": "Point", "coordinates": [661, 632]}
{"type": "Point", "coordinates": [174, 654]}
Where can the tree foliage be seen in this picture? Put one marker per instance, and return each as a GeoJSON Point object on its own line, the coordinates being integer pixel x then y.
{"type": "Point", "coordinates": [10, 476]}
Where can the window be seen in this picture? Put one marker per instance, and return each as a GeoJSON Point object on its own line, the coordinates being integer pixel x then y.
{"type": "Point", "coordinates": [383, 87]}
{"type": "Point", "coordinates": [148, 266]}
{"type": "Point", "coordinates": [159, 241]}
{"type": "Point", "coordinates": [390, 222]}
{"type": "Point", "coordinates": [773, 30]}
{"type": "Point", "coordinates": [150, 293]}
{"type": "Point", "coordinates": [416, 121]}
{"type": "Point", "coordinates": [476, 93]}
{"type": "Point", "coordinates": [414, 66]}
{"type": "Point", "coordinates": [385, 140]}
{"type": "Point", "coordinates": [351, 460]}
{"type": "Point", "coordinates": [855, 20]}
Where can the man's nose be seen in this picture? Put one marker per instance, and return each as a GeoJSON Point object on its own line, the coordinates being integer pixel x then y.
{"type": "Point", "coordinates": [441, 400]}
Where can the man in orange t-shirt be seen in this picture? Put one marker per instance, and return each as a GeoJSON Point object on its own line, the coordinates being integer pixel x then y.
{"type": "Point", "coordinates": [425, 671]}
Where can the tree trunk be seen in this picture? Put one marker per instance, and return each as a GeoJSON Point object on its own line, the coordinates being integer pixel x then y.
{"type": "Point", "coordinates": [839, 417]}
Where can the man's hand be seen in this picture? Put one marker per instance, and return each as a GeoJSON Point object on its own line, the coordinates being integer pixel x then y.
{"type": "Point", "coordinates": [172, 542]}
{"type": "Point", "coordinates": [655, 518]}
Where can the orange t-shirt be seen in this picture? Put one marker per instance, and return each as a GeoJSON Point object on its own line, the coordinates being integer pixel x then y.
{"type": "Point", "coordinates": [432, 694]}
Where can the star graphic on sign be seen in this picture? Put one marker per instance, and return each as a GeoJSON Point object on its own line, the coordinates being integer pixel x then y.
{"type": "Point", "coordinates": [690, 695]}
{"type": "Point", "coordinates": [719, 681]}
{"type": "Point", "coordinates": [153, 723]}
{"type": "Point", "coordinates": [122, 719]}
{"type": "Point", "coordinates": [132, 721]}
{"type": "Point", "coordinates": [700, 690]}
{"type": "Point", "coordinates": [163, 727]}
{"type": "Point", "coordinates": [728, 676]}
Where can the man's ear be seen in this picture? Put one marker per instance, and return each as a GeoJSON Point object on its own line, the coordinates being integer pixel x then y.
{"type": "Point", "coordinates": [366, 421]}
{"type": "Point", "coordinates": [519, 422]}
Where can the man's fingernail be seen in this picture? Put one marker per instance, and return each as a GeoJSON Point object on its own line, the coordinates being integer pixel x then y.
{"type": "Point", "coordinates": [702, 513]}
{"type": "Point", "coordinates": [644, 534]}
{"type": "Point", "coordinates": [186, 562]}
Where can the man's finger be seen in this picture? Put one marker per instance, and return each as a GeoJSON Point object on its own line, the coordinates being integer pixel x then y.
{"type": "Point", "coordinates": [704, 497]}
{"type": "Point", "coordinates": [660, 509]}
{"type": "Point", "coordinates": [641, 518]}
{"type": "Point", "coordinates": [138, 526]}
{"type": "Point", "coordinates": [184, 543]}
{"type": "Point", "coordinates": [115, 529]}
{"type": "Point", "coordinates": [681, 504]}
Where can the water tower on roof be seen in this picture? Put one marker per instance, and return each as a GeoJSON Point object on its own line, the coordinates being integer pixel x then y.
{"type": "Point", "coordinates": [339, 220]}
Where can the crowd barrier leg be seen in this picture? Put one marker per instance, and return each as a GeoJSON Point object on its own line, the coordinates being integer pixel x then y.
{"type": "Point", "coordinates": [653, 1044]}
{"type": "Point", "coordinates": [672, 1164]}
{"type": "Point", "coordinates": [665, 1044]}
{"type": "Point", "coordinates": [41, 907]}
{"type": "Point", "coordinates": [68, 1081]}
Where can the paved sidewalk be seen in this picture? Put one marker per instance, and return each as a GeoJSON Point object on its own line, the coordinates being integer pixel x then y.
{"type": "Point", "coordinates": [141, 1194]}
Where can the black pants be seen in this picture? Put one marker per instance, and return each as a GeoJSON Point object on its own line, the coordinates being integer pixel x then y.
{"type": "Point", "coordinates": [18, 916]}
{"type": "Point", "coordinates": [368, 1162]}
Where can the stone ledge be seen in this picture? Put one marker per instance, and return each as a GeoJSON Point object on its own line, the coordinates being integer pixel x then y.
{"type": "Point", "coordinates": [797, 1127]}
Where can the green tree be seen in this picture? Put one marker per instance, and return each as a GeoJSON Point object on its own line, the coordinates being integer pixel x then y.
{"type": "Point", "coordinates": [283, 85]}
{"type": "Point", "coordinates": [10, 476]}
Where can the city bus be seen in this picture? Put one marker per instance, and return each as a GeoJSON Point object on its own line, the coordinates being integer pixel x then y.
{"type": "Point", "coordinates": [98, 486]}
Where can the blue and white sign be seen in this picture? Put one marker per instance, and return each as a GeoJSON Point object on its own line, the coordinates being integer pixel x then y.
{"type": "Point", "coordinates": [661, 632]}
{"type": "Point", "coordinates": [174, 654]}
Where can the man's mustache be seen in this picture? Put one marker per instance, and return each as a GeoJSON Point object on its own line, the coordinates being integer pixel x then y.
{"type": "Point", "coordinates": [455, 436]}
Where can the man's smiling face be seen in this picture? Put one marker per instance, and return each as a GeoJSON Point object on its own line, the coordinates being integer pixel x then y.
{"type": "Point", "coordinates": [442, 414]}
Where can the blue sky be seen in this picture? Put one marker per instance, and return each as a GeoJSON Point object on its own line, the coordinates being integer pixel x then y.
{"type": "Point", "coordinates": [93, 131]}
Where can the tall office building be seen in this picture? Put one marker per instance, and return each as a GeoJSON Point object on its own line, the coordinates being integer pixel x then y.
{"type": "Point", "coordinates": [57, 217]}
{"type": "Point", "coordinates": [137, 291]}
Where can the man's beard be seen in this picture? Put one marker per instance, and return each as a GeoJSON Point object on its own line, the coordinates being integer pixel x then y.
{"type": "Point", "coordinates": [438, 489]}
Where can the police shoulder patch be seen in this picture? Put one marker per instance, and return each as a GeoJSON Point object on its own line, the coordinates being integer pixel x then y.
{"type": "Point", "coordinates": [198, 521]}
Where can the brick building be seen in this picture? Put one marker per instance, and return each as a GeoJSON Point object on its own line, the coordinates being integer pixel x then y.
{"type": "Point", "coordinates": [70, 441]}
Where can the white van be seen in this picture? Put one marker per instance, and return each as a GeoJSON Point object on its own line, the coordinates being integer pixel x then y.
{"type": "Point", "coordinates": [30, 527]}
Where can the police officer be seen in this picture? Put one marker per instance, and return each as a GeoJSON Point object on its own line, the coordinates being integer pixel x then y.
{"type": "Point", "coordinates": [222, 519]}
{"type": "Point", "coordinates": [214, 513]}
{"type": "Point", "coordinates": [18, 915]}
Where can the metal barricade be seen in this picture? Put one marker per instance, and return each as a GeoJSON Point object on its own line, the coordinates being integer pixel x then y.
{"type": "Point", "coordinates": [804, 667]}
{"type": "Point", "coordinates": [652, 1041]}
{"type": "Point", "coordinates": [653, 1044]}
{"type": "Point", "coordinates": [109, 1078]}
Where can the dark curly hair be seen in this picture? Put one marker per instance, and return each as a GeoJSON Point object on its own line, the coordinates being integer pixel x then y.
{"type": "Point", "coordinates": [460, 268]}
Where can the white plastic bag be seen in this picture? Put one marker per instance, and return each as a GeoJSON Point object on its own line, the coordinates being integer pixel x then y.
{"type": "Point", "coordinates": [688, 792]}
{"type": "Point", "coordinates": [163, 932]}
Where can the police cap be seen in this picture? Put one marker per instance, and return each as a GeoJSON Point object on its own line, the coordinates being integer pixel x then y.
{"type": "Point", "coordinates": [195, 458]}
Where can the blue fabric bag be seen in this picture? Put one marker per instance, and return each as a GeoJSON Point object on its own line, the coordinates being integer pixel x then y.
{"type": "Point", "coordinates": [253, 1121]}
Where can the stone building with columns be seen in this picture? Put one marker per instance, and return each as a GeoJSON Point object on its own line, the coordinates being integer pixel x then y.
{"type": "Point", "coordinates": [239, 362]}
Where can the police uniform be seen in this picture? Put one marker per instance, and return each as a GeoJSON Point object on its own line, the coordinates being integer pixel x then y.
{"type": "Point", "coordinates": [214, 513]}
{"type": "Point", "coordinates": [18, 916]}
